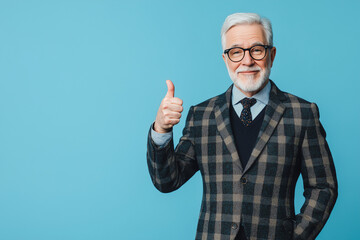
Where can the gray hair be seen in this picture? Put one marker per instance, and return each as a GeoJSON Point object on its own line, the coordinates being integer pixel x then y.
{"type": "Point", "coordinates": [246, 18]}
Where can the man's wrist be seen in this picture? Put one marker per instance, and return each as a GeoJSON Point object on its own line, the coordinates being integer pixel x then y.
{"type": "Point", "coordinates": [159, 129]}
{"type": "Point", "coordinates": [160, 139]}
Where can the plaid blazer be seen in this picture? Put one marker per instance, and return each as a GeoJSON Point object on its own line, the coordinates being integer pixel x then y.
{"type": "Point", "coordinates": [260, 196]}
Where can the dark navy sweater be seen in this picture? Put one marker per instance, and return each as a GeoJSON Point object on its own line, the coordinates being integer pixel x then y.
{"type": "Point", "coordinates": [245, 137]}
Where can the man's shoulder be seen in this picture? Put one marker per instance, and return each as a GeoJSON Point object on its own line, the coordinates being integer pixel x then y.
{"type": "Point", "coordinates": [299, 106]}
{"type": "Point", "coordinates": [293, 99]}
{"type": "Point", "coordinates": [289, 99]}
{"type": "Point", "coordinates": [212, 102]}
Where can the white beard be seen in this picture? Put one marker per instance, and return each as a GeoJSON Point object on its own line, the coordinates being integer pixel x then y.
{"type": "Point", "coordinates": [248, 83]}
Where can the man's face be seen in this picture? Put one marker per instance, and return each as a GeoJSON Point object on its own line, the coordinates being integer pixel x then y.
{"type": "Point", "coordinates": [249, 75]}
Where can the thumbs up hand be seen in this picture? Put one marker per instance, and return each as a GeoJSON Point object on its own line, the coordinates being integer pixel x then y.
{"type": "Point", "coordinates": [169, 112]}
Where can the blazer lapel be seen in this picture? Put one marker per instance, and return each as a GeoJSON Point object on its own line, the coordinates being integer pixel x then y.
{"type": "Point", "coordinates": [222, 117]}
{"type": "Point", "coordinates": [273, 113]}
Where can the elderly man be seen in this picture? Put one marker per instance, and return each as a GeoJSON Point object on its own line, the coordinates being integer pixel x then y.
{"type": "Point", "coordinates": [250, 144]}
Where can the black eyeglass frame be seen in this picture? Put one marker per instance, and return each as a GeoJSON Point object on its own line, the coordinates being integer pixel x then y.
{"type": "Point", "coordinates": [226, 51]}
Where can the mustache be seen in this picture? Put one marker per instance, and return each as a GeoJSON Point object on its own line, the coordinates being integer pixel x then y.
{"type": "Point", "coordinates": [246, 69]}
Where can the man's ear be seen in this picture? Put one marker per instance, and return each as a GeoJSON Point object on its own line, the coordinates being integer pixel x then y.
{"type": "Point", "coordinates": [224, 57]}
{"type": "Point", "coordinates": [272, 55]}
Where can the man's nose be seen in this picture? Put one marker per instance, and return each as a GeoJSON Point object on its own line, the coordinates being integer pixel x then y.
{"type": "Point", "coordinates": [247, 60]}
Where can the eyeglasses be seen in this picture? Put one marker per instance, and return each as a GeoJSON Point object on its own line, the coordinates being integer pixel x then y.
{"type": "Point", "coordinates": [257, 52]}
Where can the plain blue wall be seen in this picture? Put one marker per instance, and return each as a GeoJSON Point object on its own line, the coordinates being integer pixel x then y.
{"type": "Point", "coordinates": [80, 84]}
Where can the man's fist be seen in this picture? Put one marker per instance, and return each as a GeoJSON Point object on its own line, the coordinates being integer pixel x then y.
{"type": "Point", "coordinates": [169, 112]}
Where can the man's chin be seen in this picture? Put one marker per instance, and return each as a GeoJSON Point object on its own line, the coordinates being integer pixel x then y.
{"type": "Point", "coordinates": [249, 85]}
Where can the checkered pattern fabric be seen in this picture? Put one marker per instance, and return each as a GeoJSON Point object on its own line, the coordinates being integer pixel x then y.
{"type": "Point", "coordinates": [260, 196]}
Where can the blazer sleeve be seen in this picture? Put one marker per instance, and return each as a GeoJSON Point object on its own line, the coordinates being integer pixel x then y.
{"type": "Point", "coordinates": [319, 178]}
{"type": "Point", "coordinates": [169, 169]}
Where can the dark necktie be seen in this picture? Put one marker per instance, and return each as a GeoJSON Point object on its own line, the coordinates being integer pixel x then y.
{"type": "Point", "coordinates": [245, 116]}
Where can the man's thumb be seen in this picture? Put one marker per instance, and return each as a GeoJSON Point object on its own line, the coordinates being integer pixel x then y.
{"type": "Point", "coordinates": [171, 89]}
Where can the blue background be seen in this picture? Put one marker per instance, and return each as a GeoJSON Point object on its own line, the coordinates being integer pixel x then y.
{"type": "Point", "coordinates": [80, 84]}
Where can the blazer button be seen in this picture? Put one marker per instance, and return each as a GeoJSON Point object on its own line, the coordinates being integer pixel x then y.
{"type": "Point", "coordinates": [243, 180]}
{"type": "Point", "coordinates": [234, 226]}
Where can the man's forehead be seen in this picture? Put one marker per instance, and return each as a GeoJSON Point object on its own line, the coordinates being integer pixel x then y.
{"type": "Point", "coordinates": [248, 45]}
{"type": "Point", "coordinates": [245, 34]}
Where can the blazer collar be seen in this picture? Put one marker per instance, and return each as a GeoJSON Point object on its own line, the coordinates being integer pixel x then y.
{"type": "Point", "coordinates": [273, 113]}
{"type": "Point", "coordinates": [222, 117]}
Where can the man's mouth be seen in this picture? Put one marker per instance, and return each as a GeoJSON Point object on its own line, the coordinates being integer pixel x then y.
{"type": "Point", "coordinates": [248, 72]}
{"type": "Point", "coordinates": [253, 72]}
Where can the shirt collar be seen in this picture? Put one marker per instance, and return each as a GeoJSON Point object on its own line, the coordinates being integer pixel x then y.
{"type": "Point", "coordinates": [262, 96]}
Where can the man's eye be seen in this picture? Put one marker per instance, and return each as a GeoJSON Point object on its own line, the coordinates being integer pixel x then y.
{"type": "Point", "coordinates": [237, 52]}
